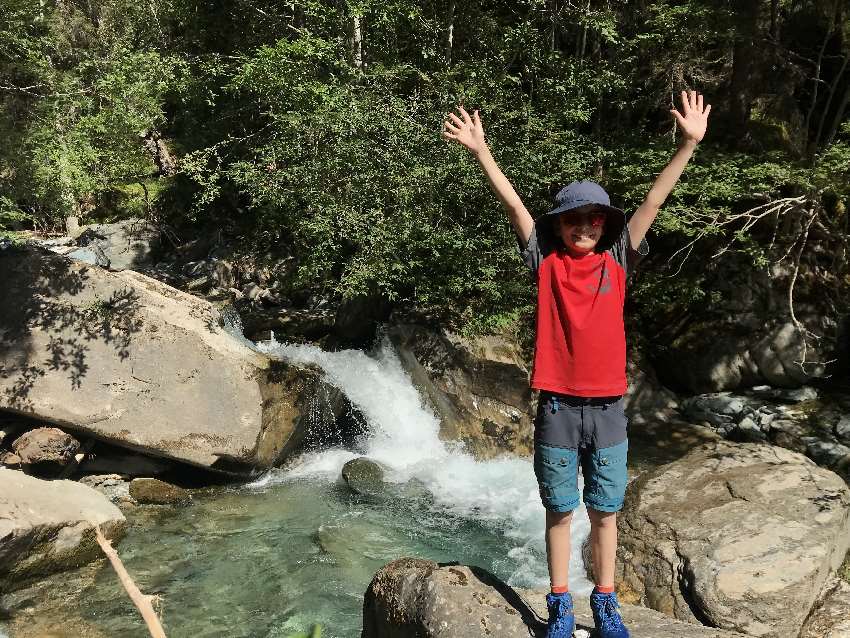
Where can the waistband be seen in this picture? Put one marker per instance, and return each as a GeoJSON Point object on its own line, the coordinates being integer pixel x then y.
{"type": "Point", "coordinates": [575, 401]}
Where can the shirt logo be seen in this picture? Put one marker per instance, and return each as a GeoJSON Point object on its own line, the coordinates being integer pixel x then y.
{"type": "Point", "coordinates": [604, 285]}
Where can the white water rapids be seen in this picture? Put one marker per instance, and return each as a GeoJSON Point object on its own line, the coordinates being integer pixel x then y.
{"type": "Point", "coordinates": [403, 437]}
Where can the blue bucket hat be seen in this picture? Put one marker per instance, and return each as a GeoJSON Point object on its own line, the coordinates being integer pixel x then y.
{"type": "Point", "coordinates": [586, 193]}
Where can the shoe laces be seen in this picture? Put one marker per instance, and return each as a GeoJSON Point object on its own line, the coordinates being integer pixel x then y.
{"type": "Point", "coordinates": [559, 611]}
{"type": "Point", "coordinates": [610, 614]}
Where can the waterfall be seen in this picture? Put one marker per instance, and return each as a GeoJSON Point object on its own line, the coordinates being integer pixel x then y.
{"type": "Point", "coordinates": [403, 437]}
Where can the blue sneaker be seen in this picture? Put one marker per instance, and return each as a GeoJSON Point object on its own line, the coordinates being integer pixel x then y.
{"type": "Point", "coordinates": [562, 622]}
{"type": "Point", "coordinates": [606, 616]}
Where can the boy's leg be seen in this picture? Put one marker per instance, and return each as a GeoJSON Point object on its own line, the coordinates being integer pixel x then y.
{"type": "Point", "coordinates": [605, 479]}
{"type": "Point", "coordinates": [603, 547]}
{"type": "Point", "coordinates": [558, 549]}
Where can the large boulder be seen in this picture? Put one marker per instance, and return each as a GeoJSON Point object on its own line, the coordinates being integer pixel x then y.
{"type": "Point", "coordinates": [742, 537]}
{"type": "Point", "coordinates": [48, 526]}
{"type": "Point", "coordinates": [415, 597]}
{"type": "Point", "coordinates": [128, 359]}
{"type": "Point", "coordinates": [477, 386]}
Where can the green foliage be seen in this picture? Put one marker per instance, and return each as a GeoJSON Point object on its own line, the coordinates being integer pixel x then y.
{"type": "Point", "coordinates": [294, 137]}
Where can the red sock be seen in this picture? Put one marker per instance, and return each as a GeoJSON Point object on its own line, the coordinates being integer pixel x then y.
{"type": "Point", "coordinates": [560, 589]}
{"type": "Point", "coordinates": [599, 589]}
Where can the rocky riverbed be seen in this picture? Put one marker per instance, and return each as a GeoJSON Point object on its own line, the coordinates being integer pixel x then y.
{"type": "Point", "coordinates": [147, 390]}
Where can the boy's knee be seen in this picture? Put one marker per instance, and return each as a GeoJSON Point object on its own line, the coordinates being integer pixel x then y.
{"type": "Point", "coordinates": [554, 519]}
{"type": "Point", "coordinates": [602, 519]}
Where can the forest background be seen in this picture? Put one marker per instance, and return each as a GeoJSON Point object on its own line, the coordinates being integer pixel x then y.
{"type": "Point", "coordinates": [312, 129]}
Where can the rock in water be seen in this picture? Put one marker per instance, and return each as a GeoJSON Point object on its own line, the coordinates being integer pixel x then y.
{"type": "Point", "coordinates": [415, 597]}
{"type": "Point", "coordinates": [363, 476]}
{"type": "Point", "coordinates": [133, 361]}
{"type": "Point", "coordinates": [47, 526]}
{"type": "Point", "coordinates": [156, 492]}
{"type": "Point", "coordinates": [742, 537]}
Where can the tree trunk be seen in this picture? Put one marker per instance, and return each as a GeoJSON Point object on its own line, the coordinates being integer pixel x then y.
{"type": "Point", "coordinates": [451, 33]}
{"type": "Point", "coordinates": [744, 82]}
{"type": "Point", "coordinates": [357, 42]}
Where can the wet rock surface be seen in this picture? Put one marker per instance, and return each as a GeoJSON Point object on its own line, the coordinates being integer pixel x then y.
{"type": "Point", "coordinates": [478, 387]}
{"type": "Point", "coordinates": [47, 526]}
{"type": "Point", "coordinates": [416, 597]}
{"type": "Point", "coordinates": [742, 537]}
{"type": "Point", "coordinates": [155, 492]}
{"type": "Point", "coordinates": [363, 476]}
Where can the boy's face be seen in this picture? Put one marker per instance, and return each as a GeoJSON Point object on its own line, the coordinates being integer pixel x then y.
{"type": "Point", "coordinates": [581, 229]}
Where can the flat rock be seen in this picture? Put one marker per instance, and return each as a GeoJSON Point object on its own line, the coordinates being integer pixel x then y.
{"type": "Point", "coordinates": [130, 360]}
{"type": "Point", "coordinates": [48, 526]}
{"type": "Point", "coordinates": [415, 597]}
{"type": "Point", "coordinates": [114, 486]}
{"type": "Point", "coordinates": [741, 537]}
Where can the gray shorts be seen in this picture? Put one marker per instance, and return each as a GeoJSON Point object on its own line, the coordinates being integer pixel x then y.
{"type": "Point", "coordinates": [574, 431]}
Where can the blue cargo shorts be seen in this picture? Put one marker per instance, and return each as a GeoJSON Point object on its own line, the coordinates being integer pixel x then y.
{"type": "Point", "coordinates": [572, 431]}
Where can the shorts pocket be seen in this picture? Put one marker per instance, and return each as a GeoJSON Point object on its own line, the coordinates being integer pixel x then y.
{"type": "Point", "coordinates": [606, 477]}
{"type": "Point", "coordinates": [556, 470]}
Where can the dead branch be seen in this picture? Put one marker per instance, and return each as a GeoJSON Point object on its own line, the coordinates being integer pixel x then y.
{"type": "Point", "coordinates": [143, 603]}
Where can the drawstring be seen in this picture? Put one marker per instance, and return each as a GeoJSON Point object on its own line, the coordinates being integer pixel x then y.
{"type": "Point", "coordinates": [555, 405]}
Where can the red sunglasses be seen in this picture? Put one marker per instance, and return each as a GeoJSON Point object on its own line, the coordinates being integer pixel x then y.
{"type": "Point", "coordinates": [593, 218]}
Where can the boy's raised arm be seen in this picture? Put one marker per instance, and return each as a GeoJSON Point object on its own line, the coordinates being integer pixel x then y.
{"type": "Point", "coordinates": [692, 121]}
{"type": "Point", "coordinates": [469, 132]}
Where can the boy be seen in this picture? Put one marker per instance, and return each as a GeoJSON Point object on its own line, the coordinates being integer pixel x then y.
{"type": "Point", "coordinates": [581, 252]}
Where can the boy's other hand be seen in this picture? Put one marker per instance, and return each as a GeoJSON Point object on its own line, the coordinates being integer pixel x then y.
{"type": "Point", "coordinates": [693, 120]}
{"type": "Point", "coordinates": [465, 129]}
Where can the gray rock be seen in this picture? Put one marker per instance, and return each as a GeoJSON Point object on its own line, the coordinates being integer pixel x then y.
{"type": "Point", "coordinates": [415, 597]}
{"type": "Point", "coordinates": [742, 537]}
{"type": "Point", "coordinates": [748, 431]}
{"type": "Point", "coordinates": [826, 453]}
{"type": "Point", "coordinates": [798, 395]}
{"type": "Point", "coordinates": [114, 486]}
{"type": "Point", "coordinates": [142, 365]}
{"type": "Point", "coordinates": [842, 429]}
{"type": "Point", "coordinates": [128, 244]}
{"type": "Point", "coordinates": [47, 526]}
{"type": "Point", "coordinates": [93, 256]}
{"type": "Point", "coordinates": [364, 476]}
{"type": "Point", "coordinates": [48, 447]}
{"type": "Point", "coordinates": [790, 434]}
{"type": "Point", "coordinates": [155, 492]}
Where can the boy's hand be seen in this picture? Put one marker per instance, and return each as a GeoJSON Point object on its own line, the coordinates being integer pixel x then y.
{"type": "Point", "coordinates": [693, 119]}
{"type": "Point", "coordinates": [468, 131]}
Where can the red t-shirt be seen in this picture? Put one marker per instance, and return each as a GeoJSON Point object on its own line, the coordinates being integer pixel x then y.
{"type": "Point", "coordinates": [580, 348]}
